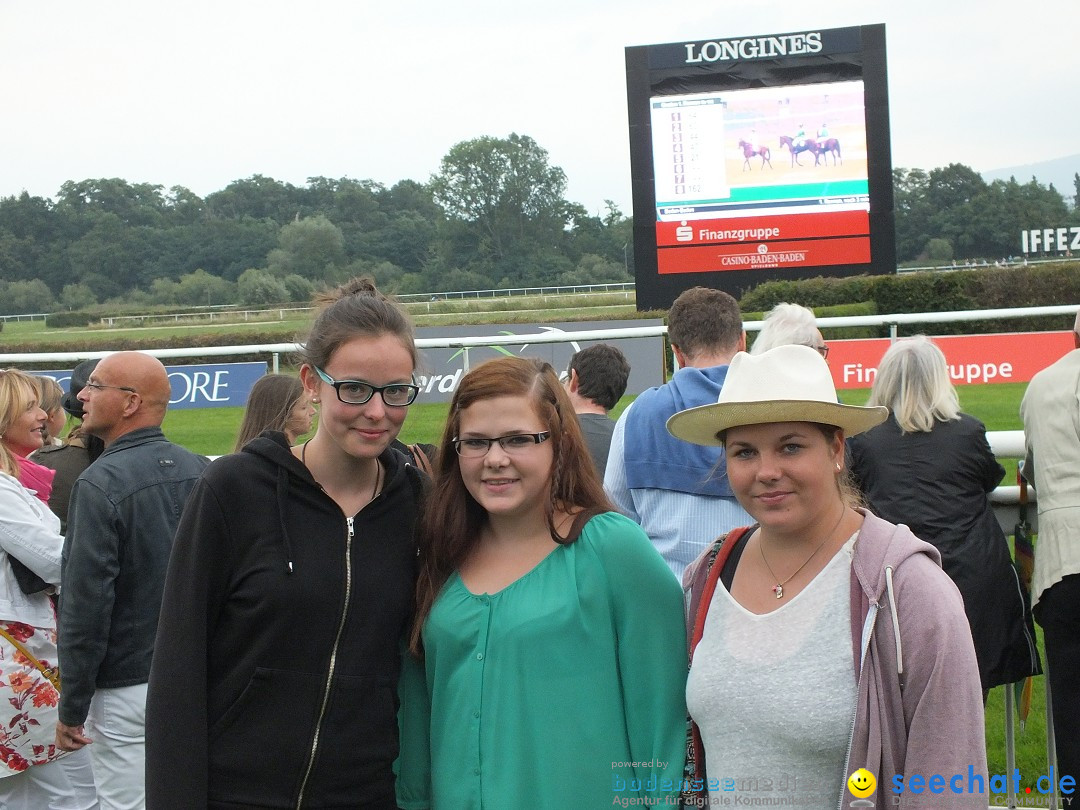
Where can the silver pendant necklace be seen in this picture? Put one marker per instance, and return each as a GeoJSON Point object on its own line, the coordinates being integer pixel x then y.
{"type": "Point", "coordinates": [778, 588]}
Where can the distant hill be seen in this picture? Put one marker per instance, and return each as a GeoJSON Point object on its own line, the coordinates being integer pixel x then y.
{"type": "Point", "coordinates": [1059, 171]}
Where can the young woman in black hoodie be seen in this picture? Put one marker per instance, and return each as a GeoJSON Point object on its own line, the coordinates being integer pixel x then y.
{"type": "Point", "coordinates": [290, 589]}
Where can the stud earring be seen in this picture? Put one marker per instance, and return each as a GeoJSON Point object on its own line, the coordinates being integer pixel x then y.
{"type": "Point", "coordinates": [838, 466]}
{"type": "Point", "coordinates": [315, 400]}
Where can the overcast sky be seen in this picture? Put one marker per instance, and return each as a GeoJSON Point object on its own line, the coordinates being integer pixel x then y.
{"type": "Point", "coordinates": [204, 92]}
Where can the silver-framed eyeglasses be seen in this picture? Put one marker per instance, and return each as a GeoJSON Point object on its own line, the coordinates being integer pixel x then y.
{"type": "Point", "coordinates": [823, 350]}
{"type": "Point", "coordinates": [96, 386]}
{"type": "Point", "coordinates": [358, 392]}
{"type": "Point", "coordinates": [476, 446]}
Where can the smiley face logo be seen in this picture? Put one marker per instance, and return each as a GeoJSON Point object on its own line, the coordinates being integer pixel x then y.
{"type": "Point", "coordinates": [862, 783]}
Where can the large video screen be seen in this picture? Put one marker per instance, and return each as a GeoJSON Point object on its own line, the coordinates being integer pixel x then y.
{"type": "Point", "coordinates": [766, 162]}
{"type": "Point", "coordinates": [733, 170]}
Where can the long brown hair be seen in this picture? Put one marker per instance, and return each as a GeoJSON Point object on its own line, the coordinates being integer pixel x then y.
{"type": "Point", "coordinates": [269, 404]}
{"type": "Point", "coordinates": [450, 530]}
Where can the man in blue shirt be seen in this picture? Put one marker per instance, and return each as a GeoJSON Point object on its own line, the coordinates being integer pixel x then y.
{"type": "Point", "coordinates": [676, 491]}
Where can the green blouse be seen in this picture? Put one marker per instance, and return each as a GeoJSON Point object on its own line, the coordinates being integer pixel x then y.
{"type": "Point", "coordinates": [566, 689]}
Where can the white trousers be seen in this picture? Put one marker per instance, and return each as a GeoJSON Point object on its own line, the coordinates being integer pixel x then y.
{"type": "Point", "coordinates": [117, 725]}
{"type": "Point", "coordinates": [63, 784]}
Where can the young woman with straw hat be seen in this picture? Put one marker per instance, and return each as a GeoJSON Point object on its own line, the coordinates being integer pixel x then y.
{"type": "Point", "coordinates": [823, 639]}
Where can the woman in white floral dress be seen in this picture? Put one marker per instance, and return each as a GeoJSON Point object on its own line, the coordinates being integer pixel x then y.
{"type": "Point", "coordinates": [34, 773]}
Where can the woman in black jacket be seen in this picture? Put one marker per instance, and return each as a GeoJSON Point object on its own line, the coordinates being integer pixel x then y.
{"type": "Point", "coordinates": [289, 593]}
{"type": "Point", "coordinates": [931, 467]}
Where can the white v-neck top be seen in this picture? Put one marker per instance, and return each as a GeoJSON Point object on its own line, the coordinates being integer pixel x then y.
{"type": "Point", "coordinates": [774, 694]}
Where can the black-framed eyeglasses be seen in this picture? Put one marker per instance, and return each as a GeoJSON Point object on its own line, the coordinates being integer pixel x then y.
{"type": "Point", "coordinates": [358, 392]}
{"type": "Point", "coordinates": [475, 446]}
{"type": "Point", "coordinates": [823, 350]}
{"type": "Point", "coordinates": [96, 386]}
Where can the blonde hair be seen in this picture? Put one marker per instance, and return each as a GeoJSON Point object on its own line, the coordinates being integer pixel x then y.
{"type": "Point", "coordinates": [51, 394]}
{"type": "Point", "coordinates": [913, 382]}
{"type": "Point", "coordinates": [18, 393]}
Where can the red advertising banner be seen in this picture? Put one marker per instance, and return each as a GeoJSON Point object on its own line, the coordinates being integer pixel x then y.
{"type": "Point", "coordinates": [763, 256]}
{"type": "Point", "coordinates": [762, 229]}
{"type": "Point", "coordinates": [1004, 358]}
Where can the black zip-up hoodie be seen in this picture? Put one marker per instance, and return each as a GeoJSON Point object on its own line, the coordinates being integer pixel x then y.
{"type": "Point", "coordinates": [274, 680]}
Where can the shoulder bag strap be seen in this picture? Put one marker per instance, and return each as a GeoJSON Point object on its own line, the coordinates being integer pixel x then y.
{"type": "Point", "coordinates": [701, 595]}
{"type": "Point", "coordinates": [421, 459]}
{"type": "Point", "coordinates": [52, 673]}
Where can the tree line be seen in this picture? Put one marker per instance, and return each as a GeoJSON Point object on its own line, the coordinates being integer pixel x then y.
{"type": "Point", "coordinates": [494, 215]}
{"type": "Point", "coordinates": [952, 213]}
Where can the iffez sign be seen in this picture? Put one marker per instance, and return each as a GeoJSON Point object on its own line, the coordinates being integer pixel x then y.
{"type": "Point", "coordinates": [1047, 240]}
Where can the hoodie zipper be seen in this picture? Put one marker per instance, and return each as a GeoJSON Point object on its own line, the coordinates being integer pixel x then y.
{"type": "Point", "coordinates": [333, 663]}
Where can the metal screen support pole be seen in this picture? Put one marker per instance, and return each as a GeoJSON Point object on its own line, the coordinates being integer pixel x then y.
{"type": "Point", "coordinates": [275, 365]}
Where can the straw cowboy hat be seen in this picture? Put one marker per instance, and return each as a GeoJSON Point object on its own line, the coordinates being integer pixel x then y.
{"type": "Point", "coordinates": [785, 384]}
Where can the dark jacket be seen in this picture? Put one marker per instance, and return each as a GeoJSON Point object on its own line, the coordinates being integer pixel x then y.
{"type": "Point", "coordinates": [68, 460]}
{"type": "Point", "coordinates": [938, 483]}
{"type": "Point", "coordinates": [123, 515]}
{"type": "Point", "coordinates": [274, 683]}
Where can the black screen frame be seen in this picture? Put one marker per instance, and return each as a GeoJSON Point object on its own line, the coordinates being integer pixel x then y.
{"type": "Point", "coordinates": [856, 52]}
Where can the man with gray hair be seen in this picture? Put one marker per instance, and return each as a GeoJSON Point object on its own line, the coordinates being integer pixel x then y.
{"type": "Point", "coordinates": [676, 491]}
{"type": "Point", "coordinates": [1051, 414]}
{"type": "Point", "coordinates": [789, 325]}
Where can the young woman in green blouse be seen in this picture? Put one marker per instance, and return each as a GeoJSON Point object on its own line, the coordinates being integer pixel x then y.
{"type": "Point", "coordinates": [549, 629]}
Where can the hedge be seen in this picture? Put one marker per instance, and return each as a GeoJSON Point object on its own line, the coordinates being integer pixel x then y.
{"type": "Point", "coordinates": [812, 292]}
{"type": "Point", "coordinates": [62, 320]}
{"type": "Point", "coordinates": [176, 342]}
{"type": "Point", "coordinates": [943, 291]}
